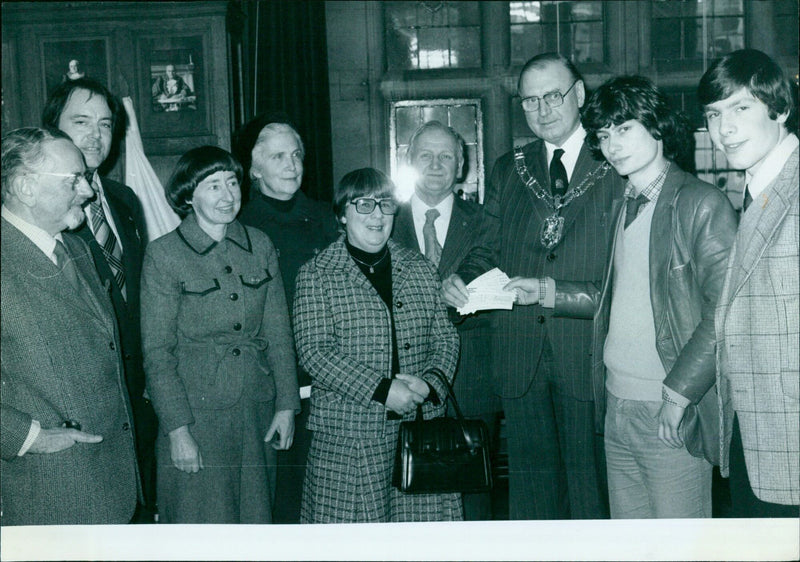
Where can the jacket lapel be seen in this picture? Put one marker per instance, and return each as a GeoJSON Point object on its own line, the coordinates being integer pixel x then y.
{"type": "Point", "coordinates": [762, 219]}
{"type": "Point", "coordinates": [404, 232]}
{"type": "Point", "coordinates": [584, 166]}
{"type": "Point", "coordinates": [457, 237]}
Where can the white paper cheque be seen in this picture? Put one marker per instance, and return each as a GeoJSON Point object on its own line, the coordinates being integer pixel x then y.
{"type": "Point", "coordinates": [486, 293]}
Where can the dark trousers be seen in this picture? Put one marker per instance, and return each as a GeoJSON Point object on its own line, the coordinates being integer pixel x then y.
{"type": "Point", "coordinates": [556, 461]}
{"type": "Point", "coordinates": [292, 470]}
{"type": "Point", "coordinates": [145, 423]}
{"type": "Point", "coordinates": [744, 502]}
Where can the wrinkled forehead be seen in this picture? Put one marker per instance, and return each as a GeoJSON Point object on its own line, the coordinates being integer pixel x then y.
{"type": "Point", "coordinates": [545, 78]}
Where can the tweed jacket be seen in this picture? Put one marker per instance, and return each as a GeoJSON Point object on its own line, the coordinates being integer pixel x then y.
{"type": "Point", "coordinates": [60, 361]}
{"type": "Point", "coordinates": [473, 385]}
{"type": "Point", "coordinates": [215, 327]}
{"type": "Point", "coordinates": [758, 353]}
{"type": "Point", "coordinates": [343, 333]}
{"type": "Point", "coordinates": [510, 239]}
{"type": "Point", "coordinates": [691, 233]}
{"type": "Point", "coordinates": [128, 217]}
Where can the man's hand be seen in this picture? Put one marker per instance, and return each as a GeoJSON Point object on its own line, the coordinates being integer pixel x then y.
{"type": "Point", "coordinates": [60, 438]}
{"type": "Point", "coordinates": [669, 419]}
{"type": "Point", "coordinates": [454, 291]}
{"type": "Point", "coordinates": [184, 450]}
{"type": "Point", "coordinates": [401, 398]}
{"type": "Point", "coordinates": [283, 425]}
{"type": "Point", "coordinates": [527, 289]}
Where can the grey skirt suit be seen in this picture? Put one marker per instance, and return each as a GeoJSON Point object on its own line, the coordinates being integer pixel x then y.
{"type": "Point", "coordinates": [219, 357]}
{"type": "Point", "coordinates": [343, 334]}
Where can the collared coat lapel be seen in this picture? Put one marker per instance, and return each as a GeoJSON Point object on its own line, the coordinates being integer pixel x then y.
{"type": "Point", "coordinates": [458, 238]}
{"type": "Point", "coordinates": [584, 166]}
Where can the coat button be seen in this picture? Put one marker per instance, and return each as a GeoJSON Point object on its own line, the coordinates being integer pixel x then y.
{"type": "Point", "coordinates": [551, 257]}
{"type": "Point", "coordinates": [234, 296]}
{"type": "Point", "coordinates": [111, 346]}
{"type": "Point", "coordinates": [126, 426]}
{"type": "Point", "coordinates": [228, 269]}
{"type": "Point", "coordinates": [399, 304]}
{"type": "Point", "coordinates": [540, 319]}
{"type": "Point", "coordinates": [237, 326]}
{"type": "Point", "coordinates": [407, 346]}
{"type": "Point", "coordinates": [236, 352]}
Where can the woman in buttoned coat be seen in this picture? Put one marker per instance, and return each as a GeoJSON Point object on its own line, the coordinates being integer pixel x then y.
{"type": "Point", "coordinates": [218, 351]}
{"type": "Point", "coordinates": [371, 330]}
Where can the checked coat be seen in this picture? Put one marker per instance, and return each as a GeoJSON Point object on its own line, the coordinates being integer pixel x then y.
{"type": "Point", "coordinates": [61, 361]}
{"type": "Point", "coordinates": [344, 340]}
{"type": "Point", "coordinates": [758, 341]}
{"type": "Point", "coordinates": [554, 457]}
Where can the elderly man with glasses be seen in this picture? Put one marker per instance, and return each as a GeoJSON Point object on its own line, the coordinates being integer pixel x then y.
{"type": "Point", "coordinates": [547, 215]}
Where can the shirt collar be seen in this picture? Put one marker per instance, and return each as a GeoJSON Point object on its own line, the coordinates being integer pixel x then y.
{"type": "Point", "coordinates": [571, 147]}
{"type": "Point", "coordinates": [653, 189]}
{"type": "Point", "coordinates": [771, 166]}
{"type": "Point", "coordinates": [419, 207]}
{"type": "Point", "coordinates": [41, 238]}
{"type": "Point", "coordinates": [196, 238]}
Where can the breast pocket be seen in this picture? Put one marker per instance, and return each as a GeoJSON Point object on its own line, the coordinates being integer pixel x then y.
{"type": "Point", "coordinates": [199, 287]}
{"type": "Point", "coordinates": [257, 279]}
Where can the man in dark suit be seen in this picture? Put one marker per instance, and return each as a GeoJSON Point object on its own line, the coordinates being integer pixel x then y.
{"type": "Point", "coordinates": [68, 452]}
{"type": "Point", "coordinates": [116, 233]}
{"type": "Point", "coordinates": [444, 228]}
{"type": "Point", "coordinates": [547, 215]}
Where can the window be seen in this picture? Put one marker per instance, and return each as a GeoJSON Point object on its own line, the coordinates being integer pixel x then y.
{"type": "Point", "coordinates": [427, 35]}
{"type": "Point", "coordinates": [574, 29]}
{"type": "Point", "coordinates": [696, 30]}
{"type": "Point", "coordinates": [463, 115]}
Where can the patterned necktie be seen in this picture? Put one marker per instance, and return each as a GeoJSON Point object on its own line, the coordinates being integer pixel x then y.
{"type": "Point", "coordinates": [67, 266]}
{"type": "Point", "coordinates": [108, 242]}
{"type": "Point", "coordinates": [558, 174]}
{"type": "Point", "coordinates": [747, 198]}
{"type": "Point", "coordinates": [632, 205]}
{"type": "Point", "coordinates": [433, 250]}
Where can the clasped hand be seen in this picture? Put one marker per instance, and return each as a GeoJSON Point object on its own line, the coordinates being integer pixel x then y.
{"type": "Point", "coordinates": [406, 392]}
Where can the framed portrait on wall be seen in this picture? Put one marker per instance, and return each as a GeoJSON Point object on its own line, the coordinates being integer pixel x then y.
{"type": "Point", "coordinates": [172, 86]}
{"type": "Point", "coordinates": [70, 59]}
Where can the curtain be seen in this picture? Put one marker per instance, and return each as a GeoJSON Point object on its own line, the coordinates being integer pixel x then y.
{"type": "Point", "coordinates": [144, 182]}
{"type": "Point", "coordinates": [280, 67]}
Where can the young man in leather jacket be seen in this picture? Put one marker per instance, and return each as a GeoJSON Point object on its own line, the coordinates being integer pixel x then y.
{"type": "Point", "coordinates": [653, 311]}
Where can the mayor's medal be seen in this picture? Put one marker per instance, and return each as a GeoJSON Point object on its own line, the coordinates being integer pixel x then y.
{"type": "Point", "coordinates": [553, 226]}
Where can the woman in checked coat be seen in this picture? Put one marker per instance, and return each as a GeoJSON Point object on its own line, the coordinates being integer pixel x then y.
{"type": "Point", "coordinates": [218, 351]}
{"type": "Point", "coordinates": [370, 329]}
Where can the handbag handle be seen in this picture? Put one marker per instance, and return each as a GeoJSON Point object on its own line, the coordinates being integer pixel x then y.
{"type": "Point", "coordinates": [473, 447]}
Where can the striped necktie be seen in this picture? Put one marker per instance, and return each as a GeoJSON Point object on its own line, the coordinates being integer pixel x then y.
{"type": "Point", "coordinates": [108, 243]}
{"type": "Point", "coordinates": [433, 250]}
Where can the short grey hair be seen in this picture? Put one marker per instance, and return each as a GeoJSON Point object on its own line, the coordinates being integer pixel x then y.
{"type": "Point", "coordinates": [272, 129]}
{"type": "Point", "coordinates": [436, 126]}
{"type": "Point", "coordinates": [22, 150]}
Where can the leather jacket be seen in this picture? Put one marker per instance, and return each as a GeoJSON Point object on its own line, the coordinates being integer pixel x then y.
{"type": "Point", "coordinates": [692, 231]}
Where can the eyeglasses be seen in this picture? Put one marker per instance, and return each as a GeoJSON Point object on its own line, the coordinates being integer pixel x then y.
{"type": "Point", "coordinates": [76, 178]}
{"type": "Point", "coordinates": [365, 205]}
{"type": "Point", "coordinates": [552, 99]}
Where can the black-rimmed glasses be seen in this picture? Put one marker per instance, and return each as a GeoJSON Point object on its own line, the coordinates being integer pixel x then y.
{"type": "Point", "coordinates": [365, 205]}
{"type": "Point", "coordinates": [552, 99]}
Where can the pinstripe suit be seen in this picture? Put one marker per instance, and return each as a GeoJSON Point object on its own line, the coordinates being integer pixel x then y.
{"type": "Point", "coordinates": [343, 338]}
{"type": "Point", "coordinates": [758, 355]}
{"type": "Point", "coordinates": [543, 363]}
{"type": "Point", "coordinates": [60, 361]}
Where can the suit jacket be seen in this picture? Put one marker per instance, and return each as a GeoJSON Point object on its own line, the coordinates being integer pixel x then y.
{"type": "Point", "coordinates": [691, 234]}
{"type": "Point", "coordinates": [215, 324]}
{"type": "Point", "coordinates": [473, 380]}
{"type": "Point", "coordinates": [344, 337]}
{"type": "Point", "coordinates": [758, 335]}
{"type": "Point", "coordinates": [60, 361]}
{"type": "Point", "coordinates": [510, 239]}
{"type": "Point", "coordinates": [128, 217]}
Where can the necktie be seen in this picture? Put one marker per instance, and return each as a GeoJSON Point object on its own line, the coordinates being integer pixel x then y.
{"type": "Point", "coordinates": [558, 174]}
{"type": "Point", "coordinates": [747, 198]}
{"type": "Point", "coordinates": [433, 250]}
{"type": "Point", "coordinates": [108, 242]}
{"type": "Point", "coordinates": [632, 205]}
{"type": "Point", "coordinates": [67, 266]}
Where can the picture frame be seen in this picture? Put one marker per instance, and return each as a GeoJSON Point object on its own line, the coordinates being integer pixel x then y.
{"type": "Point", "coordinates": [68, 59]}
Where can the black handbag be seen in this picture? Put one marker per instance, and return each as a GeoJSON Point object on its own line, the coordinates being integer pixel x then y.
{"type": "Point", "coordinates": [442, 455]}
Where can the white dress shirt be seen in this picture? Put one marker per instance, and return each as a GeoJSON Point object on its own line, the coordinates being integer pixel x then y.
{"type": "Point", "coordinates": [571, 147]}
{"type": "Point", "coordinates": [442, 222]}
{"type": "Point", "coordinates": [97, 187]}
